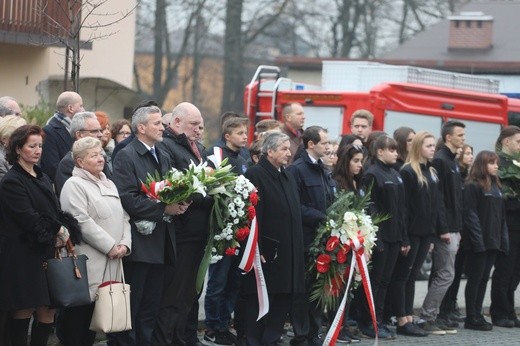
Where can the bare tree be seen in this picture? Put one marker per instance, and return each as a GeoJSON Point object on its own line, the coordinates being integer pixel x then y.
{"type": "Point", "coordinates": [238, 35]}
{"type": "Point", "coordinates": [80, 15]}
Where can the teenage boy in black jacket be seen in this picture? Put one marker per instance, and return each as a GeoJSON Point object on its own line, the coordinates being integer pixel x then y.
{"type": "Point", "coordinates": [446, 243]}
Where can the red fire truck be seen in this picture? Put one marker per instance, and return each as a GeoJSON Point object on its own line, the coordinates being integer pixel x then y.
{"type": "Point", "coordinates": [394, 104]}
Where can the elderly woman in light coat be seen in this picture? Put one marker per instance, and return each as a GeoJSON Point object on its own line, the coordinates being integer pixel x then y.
{"type": "Point", "coordinates": [94, 202]}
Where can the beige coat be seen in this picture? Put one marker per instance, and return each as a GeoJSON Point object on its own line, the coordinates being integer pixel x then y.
{"type": "Point", "coordinates": [96, 205]}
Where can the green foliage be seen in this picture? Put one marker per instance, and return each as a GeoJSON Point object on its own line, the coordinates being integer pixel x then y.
{"type": "Point", "coordinates": [38, 114]}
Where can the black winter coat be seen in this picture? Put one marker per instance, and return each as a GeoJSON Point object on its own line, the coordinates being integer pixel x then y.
{"type": "Point", "coordinates": [236, 161]}
{"type": "Point", "coordinates": [279, 219]}
{"type": "Point", "coordinates": [193, 224]}
{"type": "Point", "coordinates": [29, 223]}
{"type": "Point", "coordinates": [422, 202]}
{"type": "Point", "coordinates": [56, 145]}
{"type": "Point", "coordinates": [316, 189]}
{"type": "Point", "coordinates": [131, 167]}
{"type": "Point", "coordinates": [485, 225]}
{"type": "Point", "coordinates": [451, 190]}
{"type": "Point", "coordinates": [387, 198]}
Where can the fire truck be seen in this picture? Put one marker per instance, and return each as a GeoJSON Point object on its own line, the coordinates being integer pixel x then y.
{"type": "Point", "coordinates": [409, 102]}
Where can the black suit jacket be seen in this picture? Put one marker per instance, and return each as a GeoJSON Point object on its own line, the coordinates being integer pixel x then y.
{"type": "Point", "coordinates": [56, 145]}
{"type": "Point", "coordinates": [131, 167]}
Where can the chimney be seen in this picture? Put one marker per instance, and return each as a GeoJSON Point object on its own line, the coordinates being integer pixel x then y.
{"type": "Point", "coordinates": [471, 31]}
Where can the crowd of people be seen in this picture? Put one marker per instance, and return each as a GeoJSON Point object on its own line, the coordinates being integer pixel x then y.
{"type": "Point", "coordinates": [79, 178]}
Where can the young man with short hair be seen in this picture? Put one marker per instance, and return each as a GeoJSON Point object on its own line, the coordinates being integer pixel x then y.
{"type": "Point", "coordinates": [446, 243]}
{"type": "Point", "coordinates": [361, 123]}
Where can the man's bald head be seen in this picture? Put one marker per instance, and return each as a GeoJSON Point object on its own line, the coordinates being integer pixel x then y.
{"type": "Point", "coordinates": [69, 103]}
{"type": "Point", "coordinates": [187, 119]}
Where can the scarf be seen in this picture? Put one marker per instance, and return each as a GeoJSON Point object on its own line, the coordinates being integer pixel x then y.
{"type": "Point", "coordinates": [84, 174]}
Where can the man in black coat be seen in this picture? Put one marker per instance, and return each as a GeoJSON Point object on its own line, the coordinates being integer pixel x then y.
{"type": "Point", "coordinates": [446, 243]}
{"type": "Point", "coordinates": [84, 124]}
{"type": "Point", "coordinates": [280, 240]}
{"type": "Point", "coordinates": [316, 189]}
{"type": "Point", "coordinates": [153, 252]}
{"type": "Point", "coordinates": [58, 140]}
{"type": "Point", "coordinates": [180, 142]}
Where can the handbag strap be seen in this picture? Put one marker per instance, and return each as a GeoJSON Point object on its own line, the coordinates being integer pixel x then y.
{"type": "Point", "coordinates": [119, 267]}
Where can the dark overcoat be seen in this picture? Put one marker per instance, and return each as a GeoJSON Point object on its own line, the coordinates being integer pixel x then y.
{"type": "Point", "coordinates": [57, 144]}
{"type": "Point", "coordinates": [29, 223]}
{"type": "Point", "coordinates": [279, 219]}
{"type": "Point", "coordinates": [131, 167]}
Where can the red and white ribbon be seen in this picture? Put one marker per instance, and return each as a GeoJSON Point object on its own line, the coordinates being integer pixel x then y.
{"type": "Point", "coordinates": [251, 259]}
{"type": "Point", "coordinates": [358, 262]}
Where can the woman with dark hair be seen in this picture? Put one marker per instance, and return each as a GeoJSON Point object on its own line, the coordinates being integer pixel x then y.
{"type": "Point", "coordinates": [387, 196]}
{"type": "Point", "coordinates": [120, 130]}
{"type": "Point", "coordinates": [350, 139]}
{"type": "Point", "coordinates": [371, 154]}
{"type": "Point", "coordinates": [486, 233]}
{"type": "Point", "coordinates": [31, 226]}
{"type": "Point", "coordinates": [349, 169]}
{"type": "Point", "coordinates": [403, 136]}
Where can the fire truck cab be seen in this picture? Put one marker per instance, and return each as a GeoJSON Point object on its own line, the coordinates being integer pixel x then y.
{"type": "Point", "coordinates": [394, 104]}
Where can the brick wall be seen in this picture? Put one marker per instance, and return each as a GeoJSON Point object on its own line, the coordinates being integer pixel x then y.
{"type": "Point", "coordinates": [471, 34]}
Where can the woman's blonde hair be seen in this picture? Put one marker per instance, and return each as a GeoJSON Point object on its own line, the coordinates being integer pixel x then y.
{"type": "Point", "coordinates": [80, 147]}
{"type": "Point", "coordinates": [415, 155]}
{"type": "Point", "coordinates": [8, 124]}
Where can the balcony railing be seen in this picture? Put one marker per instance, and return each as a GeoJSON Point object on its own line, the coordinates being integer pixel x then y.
{"type": "Point", "coordinates": [38, 17]}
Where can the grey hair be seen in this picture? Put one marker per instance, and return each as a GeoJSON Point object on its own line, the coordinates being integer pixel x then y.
{"type": "Point", "coordinates": [78, 122]}
{"type": "Point", "coordinates": [140, 116]}
{"type": "Point", "coordinates": [82, 145]}
{"type": "Point", "coordinates": [4, 105]}
{"type": "Point", "coordinates": [272, 141]}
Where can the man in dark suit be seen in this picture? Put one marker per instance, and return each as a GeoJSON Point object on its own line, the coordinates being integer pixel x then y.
{"type": "Point", "coordinates": [280, 241]}
{"type": "Point", "coordinates": [182, 145]}
{"type": "Point", "coordinates": [58, 140]}
{"type": "Point", "coordinates": [152, 252]}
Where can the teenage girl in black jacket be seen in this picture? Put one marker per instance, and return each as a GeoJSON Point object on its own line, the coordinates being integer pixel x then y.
{"type": "Point", "coordinates": [387, 197]}
{"type": "Point", "coordinates": [422, 195]}
{"type": "Point", "coordinates": [485, 233]}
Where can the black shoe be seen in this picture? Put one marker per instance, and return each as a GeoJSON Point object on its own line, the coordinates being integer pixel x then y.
{"type": "Point", "coordinates": [504, 323]}
{"type": "Point", "coordinates": [516, 321]}
{"type": "Point", "coordinates": [455, 316]}
{"type": "Point", "coordinates": [447, 322]}
{"type": "Point", "coordinates": [476, 323]}
{"type": "Point", "coordinates": [215, 338]}
{"type": "Point", "coordinates": [410, 329]}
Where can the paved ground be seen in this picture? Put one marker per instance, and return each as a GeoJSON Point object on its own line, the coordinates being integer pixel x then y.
{"type": "Point", "coordinates": [498, 336]}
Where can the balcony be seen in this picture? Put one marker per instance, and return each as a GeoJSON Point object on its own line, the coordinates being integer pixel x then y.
{"type": "Point", "coordinates": [37, 22]}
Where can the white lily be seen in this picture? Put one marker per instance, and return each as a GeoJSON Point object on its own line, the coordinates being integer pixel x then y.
{"type": "Point", "coordinates": [198, 186]}
{"type": "Point", "coordinates": [217, 191]}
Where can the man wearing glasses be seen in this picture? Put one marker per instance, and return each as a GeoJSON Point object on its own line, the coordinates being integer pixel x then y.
{"type": "Point", "coordinates": [84, 124]}
{"type": "Point", "coordinates": [58, 140]}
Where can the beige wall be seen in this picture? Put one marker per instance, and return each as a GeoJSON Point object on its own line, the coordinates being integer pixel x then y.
{"type": "Point", "coordinates": [21, 69]}
{"type": "Point", "coordinates": [111, 58]}
{"type": "Point", "coordinates": [30, 73]}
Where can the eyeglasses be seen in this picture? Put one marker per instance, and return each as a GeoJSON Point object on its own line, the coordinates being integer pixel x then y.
{"type": "Point", "coordinates": [93, 132]}
{"type": "Point", "coordinates": [124, 134]}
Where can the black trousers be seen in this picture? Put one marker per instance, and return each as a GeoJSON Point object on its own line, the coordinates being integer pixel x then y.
{"type": "Point", "coordinates": [449, 301]}
{"type": "Point", "coordinates": [147, 283]}
{"type": "Point", "coordinates": [179, 295]}
{"type": "Point", "coordinates": [75, 325]}
{"type": "Point", "coordinates": [383, 263]}
{"type": "Point", "coordinates": [478, 270]}
{"type": "Point", "coordinates": [402, 287]}
{"type": "Point", "coordinates": [506, 278]}
{"type": "Point", "coordinates": [268, 330]}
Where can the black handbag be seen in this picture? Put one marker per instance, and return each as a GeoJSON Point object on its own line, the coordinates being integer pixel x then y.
{"type": "Point", "coordinates": [67, 279]}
